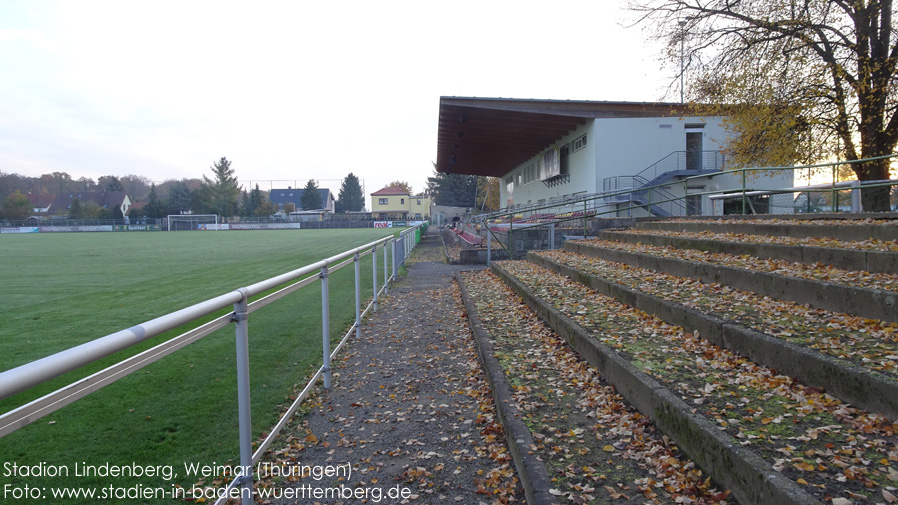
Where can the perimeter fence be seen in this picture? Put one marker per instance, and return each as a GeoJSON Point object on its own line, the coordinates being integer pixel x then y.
{"type": "Point", "coordinates": [545, 225]}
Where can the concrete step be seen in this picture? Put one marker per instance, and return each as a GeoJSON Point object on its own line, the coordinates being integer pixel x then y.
{"type": "Point", "coordinates": [847, 255]}
{"type": "Point", "coordinates": [863, 228]}
{"type": "Point", "coordinates": [867, 381]}
{"type": "Point", "coordinates": [851, 299]}
{"type": "Point", "coordinates": [758, 431]}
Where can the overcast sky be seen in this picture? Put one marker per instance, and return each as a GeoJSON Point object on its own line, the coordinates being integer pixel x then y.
{"type": "Point", "coordinates": [290, 90]}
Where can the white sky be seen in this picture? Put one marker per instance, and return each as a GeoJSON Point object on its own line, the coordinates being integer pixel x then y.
{"type": "Point", "coordinates": [290, 90]}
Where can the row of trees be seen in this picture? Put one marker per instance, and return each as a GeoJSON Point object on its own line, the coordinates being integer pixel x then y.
{"type": "Point", "coordinates": [60, 182]}
{"type": "Point", "coordinates": [220, 193]}
{"type": "Point", "coordinates": [459, 190]}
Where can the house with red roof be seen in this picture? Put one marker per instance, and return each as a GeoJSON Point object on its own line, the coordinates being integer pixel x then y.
{"type": "Point", "coordinates": [396, 203]}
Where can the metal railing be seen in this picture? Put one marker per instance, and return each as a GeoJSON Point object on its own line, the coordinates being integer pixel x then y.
{"type": "Point", "coordinates": [611, 203]}
{"type": "Point", "coordinates": [18, 379]}
{"type": "Point", "coordinates": [642, 192]}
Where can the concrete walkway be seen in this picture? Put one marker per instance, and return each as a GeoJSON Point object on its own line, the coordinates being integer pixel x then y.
{"type": "Point", "coordinates": [409, 412]}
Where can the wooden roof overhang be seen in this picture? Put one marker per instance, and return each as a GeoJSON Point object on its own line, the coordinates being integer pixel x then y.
{"type": "Point", "coordinates": [492, 136]}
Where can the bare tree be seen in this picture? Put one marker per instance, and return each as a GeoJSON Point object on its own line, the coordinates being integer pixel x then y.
{"type": "Point", "coordinates": [802, 80]}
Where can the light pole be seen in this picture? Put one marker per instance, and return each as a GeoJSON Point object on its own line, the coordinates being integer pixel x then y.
{"type": "Point", "coordinates": [682, 69]}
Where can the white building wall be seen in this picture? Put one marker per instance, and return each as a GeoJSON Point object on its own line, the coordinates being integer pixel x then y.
{"type": "Point", "coordinates": [615, 147]}
{"type": "Point", "coordinates": [625, 147]}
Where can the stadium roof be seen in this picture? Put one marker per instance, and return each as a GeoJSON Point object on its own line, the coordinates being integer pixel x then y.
{"type": "Point", "coordinates": [491, 136]}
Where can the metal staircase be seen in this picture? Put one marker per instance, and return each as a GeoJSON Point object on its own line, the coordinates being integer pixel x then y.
{"type": "Point", "coordinates": [674, 165]}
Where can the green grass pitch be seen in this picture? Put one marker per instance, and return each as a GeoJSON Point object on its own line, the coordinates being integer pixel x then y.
{"type": "Point", "coordinates": [65, 289]}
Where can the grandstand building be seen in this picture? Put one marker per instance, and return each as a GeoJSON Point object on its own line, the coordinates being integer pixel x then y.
{"type": "Point", "coordinates": [552, 151]}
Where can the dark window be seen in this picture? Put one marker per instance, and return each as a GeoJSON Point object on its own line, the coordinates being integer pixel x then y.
{"type": "Point", "coordinates": [565, 159]}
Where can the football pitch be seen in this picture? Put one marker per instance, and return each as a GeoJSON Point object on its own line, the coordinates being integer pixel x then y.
{"type": "Point", "coordinates": [61, 290]}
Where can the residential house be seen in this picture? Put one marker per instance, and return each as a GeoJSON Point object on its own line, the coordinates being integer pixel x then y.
{"type": "Point", "coordinates": [41, 203]}
{"type": "Point", "coordinates": [281, 197]}
{"type": "Point", "coordinates": [395, 203]}
{"type": "Point", "coordinates": [547, 152]}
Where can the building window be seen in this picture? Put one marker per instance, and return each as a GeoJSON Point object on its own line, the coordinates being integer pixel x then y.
{"type": "Point", "coordinates": [419, 203]}
{"type": "Point", "coordinates": [578, 144]}
{"type": "Point", "coordinates": [528, 174]}
{"type": "Point", "coordinates": [565, 158]}
{"type": "Point", "coordinates": [383, 201]}
{"type": "Point", "coordinates": [402, 201]}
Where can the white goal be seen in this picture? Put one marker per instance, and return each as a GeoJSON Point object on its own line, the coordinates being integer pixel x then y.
{"type": "Point", "coordinates": [192, 221]}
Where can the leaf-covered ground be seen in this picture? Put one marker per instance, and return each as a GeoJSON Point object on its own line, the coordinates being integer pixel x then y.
{"type": "Point", "coordinates": [451, 242]}
{"type": "Point", "coordinates": [773, 220]}
{"type": "Point", "coordinates": [835, 451]}
{"type": "Point", "coordinates": [409, 406]}
{"type": "Point", "coordinates": [816, 271]}
{"type": "Point", "coordinates": [868, 343]}
{"type": "Point", "coordinates": [597, 449]}
{"type": "Point", "coordinates": [864, 245]}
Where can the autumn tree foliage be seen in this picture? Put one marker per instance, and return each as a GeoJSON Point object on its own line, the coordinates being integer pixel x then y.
{"type": "Point", "coordinates": [403, 185]}
{"type": "Point", "coordinates": [15, 207]}
{"type": "Point", "coordinates": [488, 193]}
{"type": "Point", "coordinates": [802, 80]}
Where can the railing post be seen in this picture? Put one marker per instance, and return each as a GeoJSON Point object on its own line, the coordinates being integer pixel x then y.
{"type": "Point", "coordinates": [386, 277]}
{"type": "Point", "coordinates": [650, 201]}
{"type": "Point", "coordinates": [584, 218]}
{"type": "Point", "coordinates": [244, 408]}
{"type": "Point", "coordinates": [511, 237]}
{"type": "Point", "coordinates": [552, 236]}
{"type": "Point", "coordinates": [834, 196]}
{"type": "Point", "coordinates": [325, 329]}
{"type": "Point", "coordinates": [374, 274]}
{"type": "Point", "coordinates": [489, 245]}
{"type": "Point", "coordinates": [395, 275]}
{"type": "Point", "coordinates": [358, 295]}
{"type": "Point", "coordinates": [409, 243]}
{"type": "Point", "coordinates": [744, 206]}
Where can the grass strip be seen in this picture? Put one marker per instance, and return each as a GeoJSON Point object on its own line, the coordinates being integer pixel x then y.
{"type": "Point", "coordinates": [181, 409]}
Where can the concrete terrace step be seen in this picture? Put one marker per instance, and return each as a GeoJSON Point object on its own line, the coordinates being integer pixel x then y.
{"type": "Point", "coordinates": [762, 434]}
{"type": "Point", "coordinates": [578, 440]}
{"type": "Point", "coordinates": [884, 228]}
{"type": "Point", "coordinates": [865, 302]}
{"type": "Point", "coordinates": [847, 255]}
{"type": "Point", "coordinates": [856, 382]}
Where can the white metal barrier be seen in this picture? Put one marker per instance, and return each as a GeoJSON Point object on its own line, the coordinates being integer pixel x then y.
{"type": "Point", "coordinates": [36, 372]}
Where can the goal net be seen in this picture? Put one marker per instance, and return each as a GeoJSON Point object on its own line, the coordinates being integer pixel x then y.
{"type": "Point", "coordinates": [192, 221]}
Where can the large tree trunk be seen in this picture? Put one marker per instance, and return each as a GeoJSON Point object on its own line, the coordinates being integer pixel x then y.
{"type": "Point", "coordinates": [874, 199]}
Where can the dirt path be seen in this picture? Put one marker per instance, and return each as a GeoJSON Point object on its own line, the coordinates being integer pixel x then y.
{"type": "Point", "coordinates": [409, 418]}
